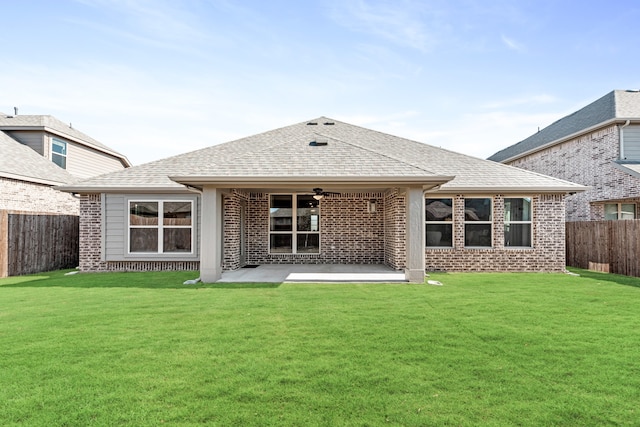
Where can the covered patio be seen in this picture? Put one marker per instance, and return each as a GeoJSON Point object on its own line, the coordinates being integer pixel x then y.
{"type": "Point", "coordinates": [314, 273]}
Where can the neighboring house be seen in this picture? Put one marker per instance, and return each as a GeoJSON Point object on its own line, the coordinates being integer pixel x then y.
{"type": "Point", "coordinates": [321, 192]}
{"type": "Point", "coordinates": [38, 153]}
{"type": "Point", "coordinates": [597, 146]}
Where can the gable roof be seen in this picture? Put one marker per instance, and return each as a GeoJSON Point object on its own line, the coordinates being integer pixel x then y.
{"type": "Point", "coordinates": [22, 163]}
{"type": "Point", "coordinates": [297, 154]}
{"type": "Point", "coordinates": [55, 126]}
{"type": "Point", "coordinates": [618, 105]}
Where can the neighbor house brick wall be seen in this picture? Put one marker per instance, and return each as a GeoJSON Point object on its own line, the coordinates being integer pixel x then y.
{"type": "Point", "coordinates": [586, 160]}
{"type": "Point", "coordinates": [91, 245]}
{"type": "Point", "coordinates": [31, 197]}
{"type": "Point", "coordinates": [547, 253]}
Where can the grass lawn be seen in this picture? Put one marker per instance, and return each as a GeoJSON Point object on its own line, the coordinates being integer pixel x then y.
{"type": "Point", "coordinates": [484, 349]}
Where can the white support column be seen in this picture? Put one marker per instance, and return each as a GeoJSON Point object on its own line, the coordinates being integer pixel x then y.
{"type": "Point", "coordinates": [211, 235]}
{"type": "Point", "coordinates": [415, 267]}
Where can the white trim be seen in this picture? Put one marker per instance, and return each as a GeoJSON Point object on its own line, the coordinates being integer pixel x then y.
{"type": "Point", "coordinates": [160, 227]}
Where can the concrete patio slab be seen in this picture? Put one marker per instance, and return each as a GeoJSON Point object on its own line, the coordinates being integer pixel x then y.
{"type": "Point", "coordinates": [311, 273]}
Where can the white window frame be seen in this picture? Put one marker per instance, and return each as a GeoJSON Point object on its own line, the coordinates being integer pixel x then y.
{"type": "Point", "coordinates": [509, 222]}
{"type": "Point", "coordinates": [294, 226]}
{"type": "Point", "coordinates": [619, 210]}
{"type": "Point", "coordinates": [451, 223]}
{"type": "Point", "coordinates": [160, 226]}
{"type": "Point", "coordinates": [490, 222]}
{"type": "Point", "coordinates": [54, 142]}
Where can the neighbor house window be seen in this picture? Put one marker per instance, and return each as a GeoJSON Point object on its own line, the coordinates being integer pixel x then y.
{"type": "Point", "coordinates": [160, 226]}
{"type": "Point", "coordinates": [59, 153]}
{"type": "Point", "coordinates": [620, 211]}
{"type": "Point", "coordinates": [439, 218]}
{"type": "Point", "coordinates": [478, 218]}
{"type": "Point", "coordinates": [294, 224]}
{"type": "Point", "coordinates": [517, 222]}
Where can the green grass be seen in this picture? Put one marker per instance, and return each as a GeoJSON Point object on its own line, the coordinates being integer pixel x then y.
{"type": "Point", "coordinates": [484, 349]}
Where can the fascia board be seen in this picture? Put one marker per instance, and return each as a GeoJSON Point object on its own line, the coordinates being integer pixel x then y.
{"type": "Point", "coordinates": [288, 181]}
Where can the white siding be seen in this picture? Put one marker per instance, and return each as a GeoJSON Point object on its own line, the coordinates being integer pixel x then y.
{"type": "Point", "coordinates": [116, 223]}
{"type": "Point", "coordinates": [631, 138]}
{"type": "Point", "coordinates": [85, 162]}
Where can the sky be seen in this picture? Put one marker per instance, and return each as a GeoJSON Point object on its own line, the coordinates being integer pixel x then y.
{"type": "Point", "coordinates": [157, 78]}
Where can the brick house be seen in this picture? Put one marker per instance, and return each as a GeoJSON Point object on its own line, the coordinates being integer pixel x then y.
{"type": "Point", "coordinates": [597, 146]}
{"type": "Point", "coordinates": [322, 192]}
{"type": "Point", "coordinates": [38, 153]}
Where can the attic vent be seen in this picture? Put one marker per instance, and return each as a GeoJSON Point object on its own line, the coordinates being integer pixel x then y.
{"type": "Point", "coordinates": [329, 123]}
{"type": "Point", "coordinates": [312, 124]}
{"type": "Point", "coordinates": [320, 141]}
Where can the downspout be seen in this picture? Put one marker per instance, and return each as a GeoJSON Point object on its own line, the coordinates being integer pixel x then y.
{"type": "Point", "coordinates": [622, 157]}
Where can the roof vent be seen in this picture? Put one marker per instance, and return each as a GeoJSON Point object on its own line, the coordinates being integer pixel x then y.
{"type": "Point", "coordinates": [312, 124]}
{"type": "Point", "coordinates": [319, 142]}
{"type": "Point", "coordinates": [329, 123]}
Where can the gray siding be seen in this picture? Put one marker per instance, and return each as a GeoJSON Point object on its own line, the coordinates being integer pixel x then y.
{"type": "Point", "coordinates": [631, 135]}
{"type": "Point", "coordinates": [31, 138]}
{"type": "Point", "coordinates": [115, 224]}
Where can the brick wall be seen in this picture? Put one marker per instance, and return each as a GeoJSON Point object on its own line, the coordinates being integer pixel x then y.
{"type": "Point", "coordinates": [547, 254]}
{"type": "Point", "coordinates": [349, 233]}
{"type": "Point", "coordinates": [395, 221]}
{"type": "Point", "coordinates": [586, 160]}
{"type": "Point", "coordinates": [31, 197]}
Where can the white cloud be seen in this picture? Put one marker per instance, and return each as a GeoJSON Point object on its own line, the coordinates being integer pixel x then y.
{"type": "Point", "coordinates": [512, 44]}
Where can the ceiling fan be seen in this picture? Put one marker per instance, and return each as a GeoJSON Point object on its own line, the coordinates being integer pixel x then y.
{"type": "Point", "coordinates": [320, 194]}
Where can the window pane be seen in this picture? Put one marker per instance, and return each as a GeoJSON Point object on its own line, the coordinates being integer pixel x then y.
{"type": "Point", "coordinates": [517, 209]}
{"type": "Point", "coordinates": [308, 243]}
{"type": "Point", "coordinates": [517, 235]}
{"type": "Point", "coordinates": [281, 213]}
{"type": "Point", "coordinates": [477, 209]}
{"type": "Point", "coordinates": [143, 213]}
{"type": "Point", "coordinates": [177, 240]}
{"type": "Point", "coordinates": [477, 235]}
{"type": "Point", "coordinates": [439, 235]}
{"type": "Point", "coordinates": [59, 160]}
{"type": "Point", "coordinates": [307, 214]}
{"type": "Point", "coordinates": [439, 209]}
{"type": "Point", "coordinates": [177, 213]}
{"type": "Point", "coordinates": [143, 240]}
{"type": "Point", "coordinates": [280, 243]}
{"type": "Point", "coordinates": [628, 211]}
{"type": "Point", "coordinates": [611, 211]}
{"type": "Point", "coordinates": [59, 147]}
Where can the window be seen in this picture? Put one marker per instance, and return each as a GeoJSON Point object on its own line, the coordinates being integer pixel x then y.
{"type": "Point", "coordinates": [160, 226]}
{"type": "Point", "coordinates": [619, 211]}
{"type": "Point", "coordinates": [294, 224]}
{"type": "Point", "coordinates": [439, 217]}
{"type": "Point", "coordinates": [59, 153]}
{"type": "Point", "coordinates": [477, 222]}
{"type": "Point", "coordinates": [517, 222]}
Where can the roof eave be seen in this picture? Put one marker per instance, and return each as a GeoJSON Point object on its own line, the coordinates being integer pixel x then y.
{"type": "Point", "coordinates": [26, 178]}
{"type": "Point", "coordinates": [609, 122]}
{"type": "Point", "coordinates": [289, 181]}
{"type": "Point", "coordinates": [560, 189]}
{"type": "Point", "coordinates": [80, 189]}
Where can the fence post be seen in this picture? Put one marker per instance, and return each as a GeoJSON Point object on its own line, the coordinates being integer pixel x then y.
{"type": "Point", "coordinates": [4, 243]}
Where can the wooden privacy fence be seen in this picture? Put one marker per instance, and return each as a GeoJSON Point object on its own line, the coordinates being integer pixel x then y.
{"type": "Point", "coordinates": [610, 246]}
{"type": "Point", "coordinates": [34, 242]}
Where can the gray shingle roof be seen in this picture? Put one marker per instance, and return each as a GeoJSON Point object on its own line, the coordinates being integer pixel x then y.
{"type": "Point", "coordinates": [51, 124]}
{"type": "Point", "coordinates": [18, 161]}
{"type": "Point", "coordinates": [618, 104]}
{"type": "Point", "coordinates": [351, 152]}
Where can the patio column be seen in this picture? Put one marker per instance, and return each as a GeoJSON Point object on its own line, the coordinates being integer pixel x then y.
{"type": "Point", "coordinates": [211, 235]}
{"type": "Point", "coordinates": [415, 267]}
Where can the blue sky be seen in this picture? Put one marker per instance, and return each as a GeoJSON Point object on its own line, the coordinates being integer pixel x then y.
{"type": "Point", "coordinates": [154, 78]}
